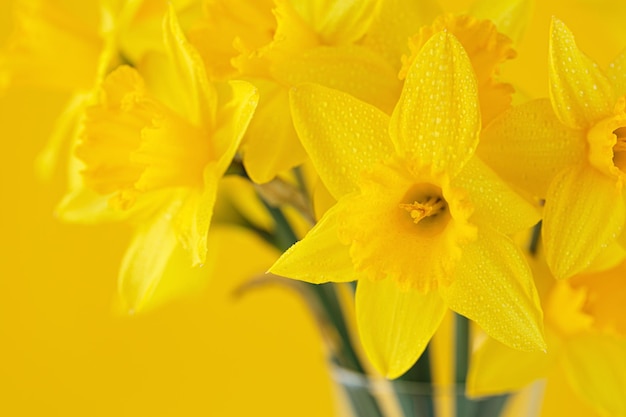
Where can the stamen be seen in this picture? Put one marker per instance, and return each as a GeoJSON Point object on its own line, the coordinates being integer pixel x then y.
{"type": "Point", "coordinates": [419, 211]}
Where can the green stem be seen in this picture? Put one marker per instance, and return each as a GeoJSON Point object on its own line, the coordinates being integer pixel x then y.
{"type": "Point", "coordinates": [416, 404]}
{"type": "Point", "coordinates": [535, 239]}
{"type": "Point", "coordinates": [465, 407]}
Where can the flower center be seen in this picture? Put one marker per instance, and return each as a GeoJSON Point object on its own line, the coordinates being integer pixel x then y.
{"type": "Point", "coordinates": [419, 210]}
{"type": "Point", "coordinates": [426, 207]}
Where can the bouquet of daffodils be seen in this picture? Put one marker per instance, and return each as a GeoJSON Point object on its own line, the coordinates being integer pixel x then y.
{"type": "Point", "coordinates": [378, 147]}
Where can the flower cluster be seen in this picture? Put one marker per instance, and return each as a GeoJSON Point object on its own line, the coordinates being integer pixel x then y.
{"type": "Point", "coordinates": [380, 136]}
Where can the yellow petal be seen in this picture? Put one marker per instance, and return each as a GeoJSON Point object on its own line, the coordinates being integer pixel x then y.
{"type": "Point", "coordinates": [342, 135]}
{"type": "Point", "coordinates": [251, 22]}
{"type": "Point", "coordinates": [395, 325]}
{"type": "Point", "coordinates": [559, 399]}
{"type": "Point", "coordinates": [338, 22]}
{"type": "Point", "coordinates": [497, 369]}
{"type": "Point", "coordinates": [194, 217]}
{"type": "Point", "coordinates": [83, 205]}
{"type": "Point", "coordinates": [581, 94]}
{"type": "Point", "coordinates": [291, 35]}
{"type": "Point", "coordinates": [528, 146]}
{"type": "Point", "coordinates": [52, 39]}
{"type": "Point", "coordinates": [394, 23]}
{"type": "Point", "coordinates": [584, 212]}
{"type": "Point", "coordinates": [269, 151]}
{"type": "Point", "coordinates": [486, 49]}
{"type": "Point", "coordinates": [609, 257]}
{"type": "Point", "coordinates": [596, 368]}
{"type": "Point", "coordinates": [493, 286]}
{"type": "Point", "coordinates": [511, 17]}
{"type": "Point", "coordinates": [64, 135]}
{"type": "Point", "coordinates": [237, 104]}
{"type": "Point", "coordinates": [177, 280]}
{"type": "Point", "coordinates": [319, 257]}
{"type": "Point", "coordinates": [495, 203]}
{"type": "Point", "coordinates": [350, 68]}
{"type": "Point", "coordinates": [605, 297]}
{"type": "Point", "coordinates": [197, 99]}
{"type": "Point", "coordinates": [616, 73]}
{"type": "Point", "coordinates": [145, 260]}
{"type": "Point", "coordinates": [437, 120]}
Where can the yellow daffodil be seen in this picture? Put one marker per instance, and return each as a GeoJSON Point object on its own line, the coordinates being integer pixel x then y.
{"type": "Point", "coordinates": [156, 152]}
{"type": "Point", "coordinates": [420, 221]}
{"type": "Point", "coordinates": [45, 29]}
{"type": "Point", "coordinates": [572, 154]}
{"type": "Point", "coordinates": [586, 337]}
{"type": "Point", "coordinates": [69, 46]}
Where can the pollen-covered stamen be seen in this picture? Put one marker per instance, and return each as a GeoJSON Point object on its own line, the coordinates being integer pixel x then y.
{"type": "Point", "coordinates": [431, 207]}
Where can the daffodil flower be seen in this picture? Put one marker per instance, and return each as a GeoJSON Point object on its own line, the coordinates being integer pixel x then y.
{"type": "Point", "coordinates": [420, 221]}
{"type": "Point", "coordinates": [586, 336]}
{"type": "Point", "coordinates": [571, 152]}
{"type": "Point", "coordinates": [70, 47]}
{"type": "Point", "coordinates": [156, 152]}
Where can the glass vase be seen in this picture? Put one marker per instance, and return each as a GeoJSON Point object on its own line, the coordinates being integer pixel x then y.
{"type": "Point", "coordinates": [366, 396]}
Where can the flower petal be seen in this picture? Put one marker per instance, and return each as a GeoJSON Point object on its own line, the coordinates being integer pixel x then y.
{"type": "Point", "coordinates": [145, 260]}
{"type": "Point", "coordinates": [341, 134]}
{"type": "Point", "coordinates": [350, 68]}
{"type": "Point", "coordinates": [437, 120]}
{"type": "Point", "coordinates": [197, 99]}
{"type": "Point", "coordinates": [194, 217]}
{"type": "Point", "coordinates": [559, 399]}
{"type": "Point", "coordinates": [495, 203]}
{"type": "Point", "coordinates": [319, 257]}
{"type": "Point", "coordinates": [581, 94]}
{"type": "Point", "coordinates": [49, 38]}
{"type": "Point", "coordinates": [83, 205]}
{"type": "Point", "coordinates": [267, 152]}
{"type": "Point", "coordinates": [616, 73]}
{"type": "Point", "coordinates": [528, 146]}
{"type": "Point", "coordinates": [511, 17]}
{"type": "Point", "coordinates": [494, 287]}
{"type": "Point", "coordinates": [338, 22]}
{"type": "Point", "coordinates": [395, 22]}
{"type": "Point", "coordinates": [584, 212]}
{"type": "Point", "coordinates": [596, 368]}
{"type": "Point", "coordinates": [238, 101]}
{"type": "Point", "coordinates": [395, 325]}
{"type": "Point", "coordinates": [496, 368]}
{"type": "Point", "coordinates": [178, 279]}
{"type": "Point", "coordinates": [486, 48]}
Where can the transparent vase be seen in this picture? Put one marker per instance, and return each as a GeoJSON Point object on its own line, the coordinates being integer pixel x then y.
{"type": "Point", "coordinates": [365, 396]}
